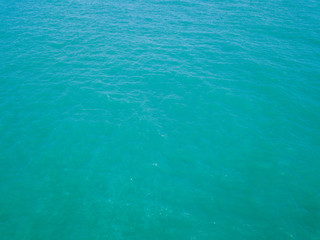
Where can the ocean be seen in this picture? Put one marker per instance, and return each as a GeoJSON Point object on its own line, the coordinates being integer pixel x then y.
{"type": "Point", "coordinates": [159, 119]}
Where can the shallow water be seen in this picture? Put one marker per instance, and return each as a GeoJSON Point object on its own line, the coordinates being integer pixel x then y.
{"type": "Point", "coordinates": [159, 119]}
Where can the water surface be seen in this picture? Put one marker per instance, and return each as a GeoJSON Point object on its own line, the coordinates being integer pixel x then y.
{"type": "Point", "coordinates": [159, 119]}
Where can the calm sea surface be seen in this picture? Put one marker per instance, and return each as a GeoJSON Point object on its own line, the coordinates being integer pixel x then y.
{"type": "Point", "coordinates": [155, 119]}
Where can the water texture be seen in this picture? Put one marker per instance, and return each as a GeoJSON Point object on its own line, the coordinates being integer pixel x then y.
{"type": "Point", "coordinates": [154, 119]}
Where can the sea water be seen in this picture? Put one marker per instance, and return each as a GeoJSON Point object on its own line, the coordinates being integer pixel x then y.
{"type": "Point", "coordinates": [159, 119]}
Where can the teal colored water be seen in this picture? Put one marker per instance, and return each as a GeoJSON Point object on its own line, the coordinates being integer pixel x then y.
{"type": "Point", "coordinates": [159, 119]}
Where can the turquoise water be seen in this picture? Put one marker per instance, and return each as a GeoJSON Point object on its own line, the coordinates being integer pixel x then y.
{"type": "Point", "coordinates": [159, 119]}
